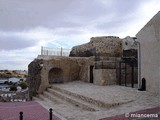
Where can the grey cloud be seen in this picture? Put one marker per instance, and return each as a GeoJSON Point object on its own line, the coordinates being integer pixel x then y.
{"type": "Point", "coordinates": [70, 15]}
{"type": "Point", "coordinates": [113, 25]}
{"type": "Point", "coordinates": [64, 19]}
{"type": "Point", "coordinates": [125, 7]}
{"type": "Point", "coordinates": [22, 14]}
{"type": "Point", "coordinates": [11, 42]}
{"type": "Point", "coordinates": [10, 64]}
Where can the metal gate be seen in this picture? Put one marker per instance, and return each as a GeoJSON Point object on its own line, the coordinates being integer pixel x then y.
{"type": "Point", "coordinates": [128, 72]}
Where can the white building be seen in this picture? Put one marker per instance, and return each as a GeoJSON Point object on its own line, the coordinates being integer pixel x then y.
{"type": "Point", "coordinates": [14, 80]}
{"type": "Point", "coordinates": [149, 38]}
{"type": "Point", "coordinates": [4, 88]}
{"type": "Point", "coordinates": [2, 81]}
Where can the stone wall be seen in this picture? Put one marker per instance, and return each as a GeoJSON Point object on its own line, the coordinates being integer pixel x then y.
{"type": "Point", "coordinates": [104, 76]}
{"type": "Point", "coordinates": [79, 66]}
{"type": "Point", "coordinates": [107, 46]}
{"type": "Point", "coordinates": [34, 76]}
{"type": "Point", "coordinates": [108, 51]}
{"type": "Point", "coordinates": [85, 68]}
{"type": "Point", "coordinates": [72, 68]}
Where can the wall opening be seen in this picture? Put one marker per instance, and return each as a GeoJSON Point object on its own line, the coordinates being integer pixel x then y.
{"type": "Point", "coordinates": [55, 75]}
{"type": "Point", "coordinates": [91, 74]}
{"type": "Point", "coordinates": [128, 73]}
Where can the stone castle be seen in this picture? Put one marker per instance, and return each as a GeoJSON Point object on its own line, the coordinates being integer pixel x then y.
{"type": "Point", "coordinates": [92, 75]}
{"type": "Point", "coordinates": [105, 60]}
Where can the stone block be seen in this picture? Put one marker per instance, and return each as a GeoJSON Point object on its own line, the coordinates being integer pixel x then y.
{"type": "Point", "coordinates": [104, 76]}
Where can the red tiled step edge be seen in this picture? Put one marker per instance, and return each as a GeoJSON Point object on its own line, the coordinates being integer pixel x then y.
{"type": "Point", "coordinates": [31, 111]}
{"type": "Point", "coordinates": [155, 110]}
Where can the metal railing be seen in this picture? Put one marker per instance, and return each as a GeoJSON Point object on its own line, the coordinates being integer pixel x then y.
{"type": "Point", "coordinates": [55, 51]}
{"type": "Point", "coordinates": [14, 96]}
{"type": "Point", "coordinates": [105, 65]}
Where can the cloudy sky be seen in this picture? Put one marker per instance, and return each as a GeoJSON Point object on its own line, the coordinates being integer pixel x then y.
{"type": "Point", "coordinates": [26, 25]}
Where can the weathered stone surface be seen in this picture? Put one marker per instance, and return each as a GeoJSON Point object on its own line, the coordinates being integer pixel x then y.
{"type": "Point", "coordinates": [105, 76]}
{"type": "Point", "coordinates": [34, 76]}
{"type": "Point", "coordinates": [58, 69]}
{"type": "Point", "coordinates": [85, 66]}
{"type": "Point", "coordinates": [109, 46]}
{"type": "Point", "coordinates": [129, 43]}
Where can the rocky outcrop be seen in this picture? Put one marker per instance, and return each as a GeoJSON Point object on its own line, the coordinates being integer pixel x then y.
{"type": "Point", "coordinates": [34, 76]}
{"type": "Point", "coordinates": [107, 46]}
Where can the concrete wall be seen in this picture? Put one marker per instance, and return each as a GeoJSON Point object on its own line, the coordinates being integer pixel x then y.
{"type": "Point", "coordinates": [149, 38]}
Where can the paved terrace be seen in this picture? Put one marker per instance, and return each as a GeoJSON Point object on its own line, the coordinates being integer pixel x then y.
{"type": "Point", "coordinates": [31, 111]}
{"type": "Point", "coordinates": [113, 94]}
{"type": "Point", "coordinates": [140, 101]}
{"type": "Point", "coordinates": [135, 100]}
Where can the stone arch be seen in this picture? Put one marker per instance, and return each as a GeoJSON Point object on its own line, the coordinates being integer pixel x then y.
{"type": "Point", "coordinates": [55, 75]}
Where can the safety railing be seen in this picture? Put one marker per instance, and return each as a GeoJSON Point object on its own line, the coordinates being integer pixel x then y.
{"type": "Point", "coordinates": [55, 51]}
{"type": "Point", "coordinates": [105, 65]}
{"type": "Point", "coordinates": [14, 96]}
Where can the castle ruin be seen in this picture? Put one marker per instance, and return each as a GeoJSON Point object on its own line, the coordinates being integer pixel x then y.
{"type": "Point", "coordinates": [105, 60]}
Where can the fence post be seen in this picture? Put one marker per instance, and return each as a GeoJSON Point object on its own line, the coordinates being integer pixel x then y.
{"type": "Point", "coordinates": [50, 114]}
{"type": "Point", "coordinates": [21, 116]}
{"type": "Point", "coordinates": [41, 50]}
{"type": "Point", "coordinates": [47, 52]}
{"type": "Point", "coordinates": [132, 74]}
{"type": "Point", "coordinates": [61, 51]}
{"type": "Point", "coordinates": [125, 74]}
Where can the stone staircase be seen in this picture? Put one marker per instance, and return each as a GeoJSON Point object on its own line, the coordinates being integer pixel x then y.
{"type": "Point", "coordinates": [59, 95]}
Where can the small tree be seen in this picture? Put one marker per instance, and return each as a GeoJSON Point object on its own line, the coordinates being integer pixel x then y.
{"type": "Point", "coordinates": [23, 85]}
{"type": "Point", "coordinates": [8, 73]}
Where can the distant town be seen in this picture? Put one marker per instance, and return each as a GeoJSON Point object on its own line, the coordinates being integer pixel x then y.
{"type": "Point", "coordinates": [12, 73]}
{"type": "Point", "coordinates": [13, 85]}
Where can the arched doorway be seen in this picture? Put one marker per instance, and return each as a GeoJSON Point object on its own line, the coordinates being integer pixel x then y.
{"type": "Point", "coordinates": [55, 75]}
